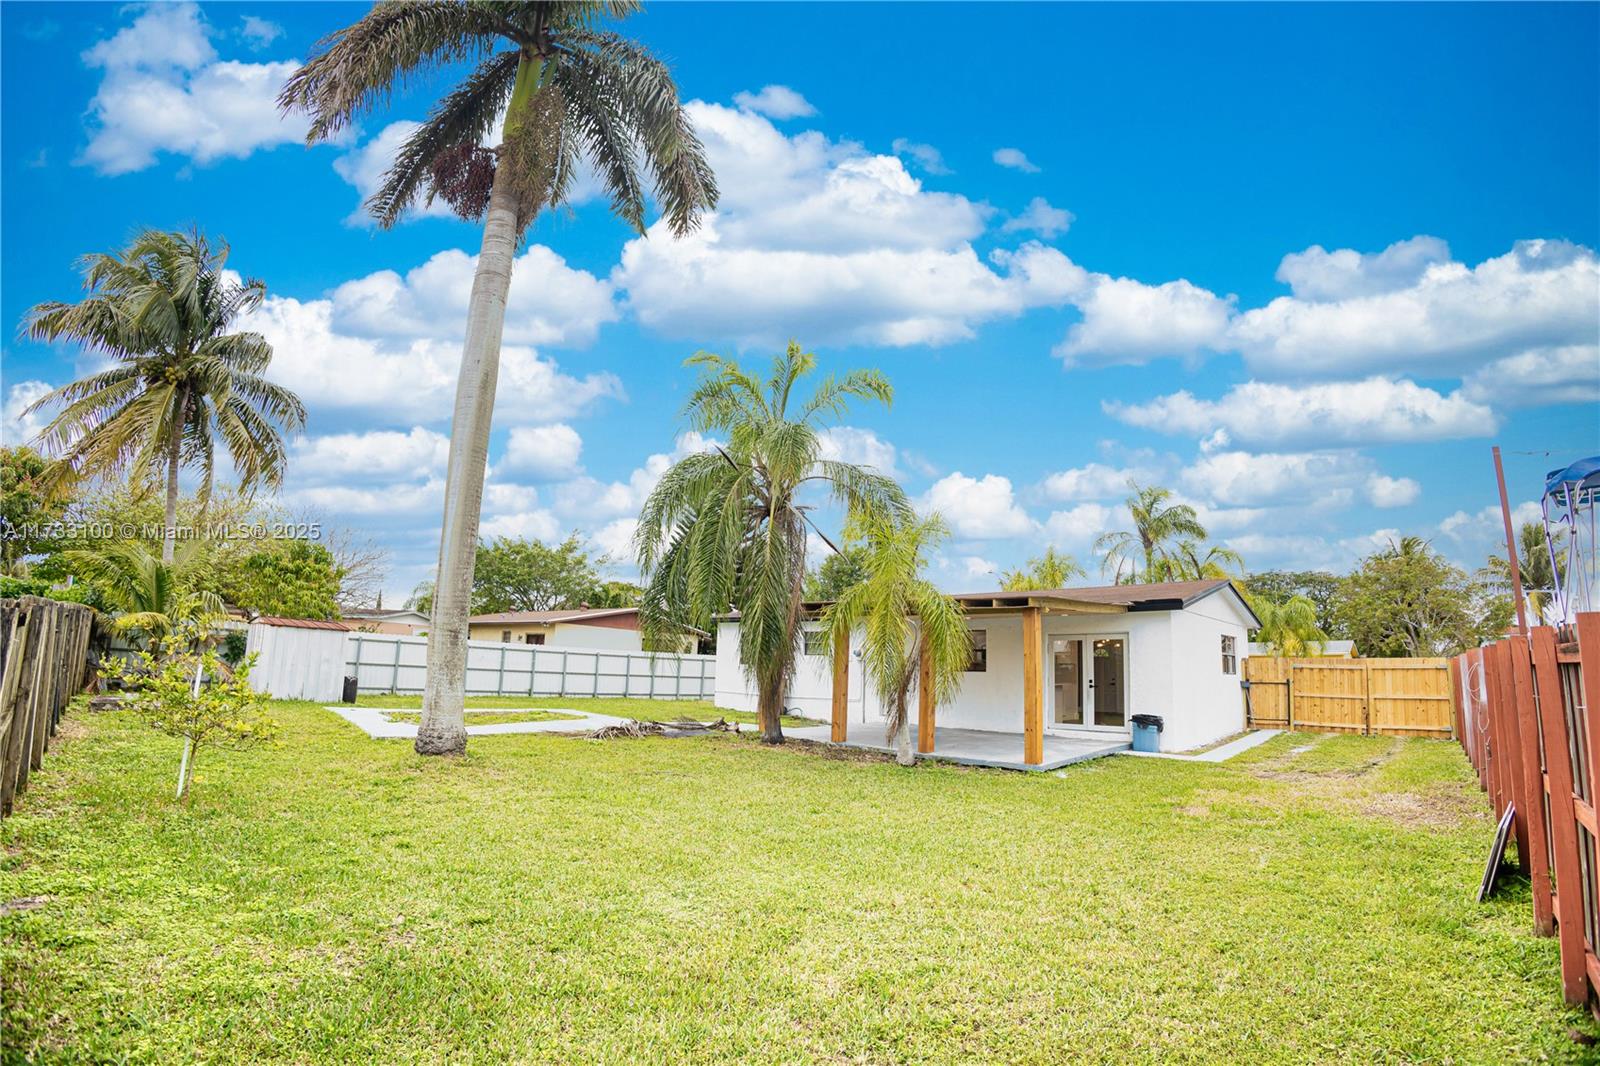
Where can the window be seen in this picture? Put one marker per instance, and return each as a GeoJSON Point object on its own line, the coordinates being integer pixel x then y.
{"type": "Point", "coordinates": [816, 642]}
{"type": "Point", "coordinates": [979, 662]}
{"type": "Point", "coordinates": [505, 636]}
{"type": "Point", "coordinates": [534, 638]}
{"type": "Point", "coordinates": [1230, 656]}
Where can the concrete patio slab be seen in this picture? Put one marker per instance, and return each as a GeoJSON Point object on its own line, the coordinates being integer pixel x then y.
{"type": "Point", "coordinates": [375, 723]}
{"type": "Point", "coordinates": [973, 747]}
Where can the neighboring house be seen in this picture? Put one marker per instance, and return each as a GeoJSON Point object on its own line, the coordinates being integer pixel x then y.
{"type": "Point", "coordinates": [1327, 649]}
{"type": "Point", "coordinates": [407, 623]}
{"type": "Point", "coordinates": [586, 627]}
{"type": "Point", "coordinates": [1065, 663]}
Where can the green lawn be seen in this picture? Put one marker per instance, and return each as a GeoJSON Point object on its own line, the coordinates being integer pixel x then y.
{"type": "Point", "coordinates": [644, 710]}
{"type": "Point", "coordinates": [550, 899]}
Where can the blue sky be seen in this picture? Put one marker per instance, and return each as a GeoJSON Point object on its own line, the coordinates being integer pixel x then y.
{"type": "Point", "coordinates": [1304, 264]}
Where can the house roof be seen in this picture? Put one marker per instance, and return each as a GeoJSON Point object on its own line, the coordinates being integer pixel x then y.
{"type": "Point", "coordinates": [552, 617]}
{"type": "Point", "coordinates": [303, 623]}
{"type": "Point", "coordinates": [1158, 596]}
{"type": "Point", "coordinates": [373, 614]}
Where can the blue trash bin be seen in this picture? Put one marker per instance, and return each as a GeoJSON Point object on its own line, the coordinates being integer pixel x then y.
{"type": "Point", "coordinates": [1146, 732]}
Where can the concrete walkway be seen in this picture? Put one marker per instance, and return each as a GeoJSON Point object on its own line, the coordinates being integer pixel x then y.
{"type": "Point", "coordinates": [1221, 753]}
{"type": "Point", "coordinates": [374, 721]}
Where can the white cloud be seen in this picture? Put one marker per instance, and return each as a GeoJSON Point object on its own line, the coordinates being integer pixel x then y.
{"type": "Point", "coordinates": [1385, 491]}
{"type": "Point", "coordinates": [545, 452]}
{"type": "Point", "coordinates": [1039, 217]}
{"type": "Point", "coordinates": [387, 503]}
{"type": "Point", "coordinates": [849, 444]}
{"type": "Point", "coordinates": [259, 32]}
{"type": "Point", "coordinates": [1374, 411]}
{"type": "Point", "coordinates": [365, 165]}
{"type": "Point", "coordinates": [975, 566]}
{"type": "Point", "coordinates": [402, 379]}
{"type": "Point", "coordinates": [1076, 528]}
{"type": "Point", "coordinates": [926, 156]}
{"type": "Point", "coordinates": [1092, 481]}
{"type": "Point", "coordinates": [376, 455]}
{"type": "Point", "coordinates": [615, 539]}
{"type": "Point", "coordinates": [1128, 321]}
{"type": "Point", "coordinates": [1321, 275]}
{"type": "Point", "coordinates": [1014, 159]}
{"type": "Point", "coordinates": [164, 90]}
{"type": "Point", "coordinates": [588, 497]}
{"type": "Point", "coordinates": [536, 524]}
{"type": "Point", "coordinates": [550, 303]}
{"type": "Point", "coordinates": [977, 507]}
{"type": "Point", "coordinates": [1540, 376]}
{"type": "Point", "coordinates": [827, 241]}
{"type": "Point", "coordinates": [1543, 293]}
{"type": "Point", "coordinates": [775, 101]}
{"type": "Point", "coordinates": [18, 428]}
{"type": "Point", "coordinates": [1234, 478]}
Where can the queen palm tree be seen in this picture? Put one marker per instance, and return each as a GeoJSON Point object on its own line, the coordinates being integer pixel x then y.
{"type": "Point", "coordinates": [903, 618]}
{"type": "Point", "coordinates": [1157, 523]}
{"type": "Point", "coordinates": [728, 528]}
{"type": "Point", "coordinates": [161, 311]}
{"type": "Point", "coordinates": [1289, 626]}
{"type": "Point", "coordinates": [1052, 570]}
{"type": "Point", "coordinates": [568, 91]}
{"type": "Point", "coordinates": [1189, 561]}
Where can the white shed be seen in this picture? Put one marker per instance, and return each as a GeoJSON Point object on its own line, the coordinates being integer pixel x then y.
{"type": "Point", "coordinates": [298, 658]}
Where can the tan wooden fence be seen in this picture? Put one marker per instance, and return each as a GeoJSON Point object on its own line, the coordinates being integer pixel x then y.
{"type": "Point", "coordinates": [43, 662]}
{"type": "Point", "coordinates": [1394, 697]}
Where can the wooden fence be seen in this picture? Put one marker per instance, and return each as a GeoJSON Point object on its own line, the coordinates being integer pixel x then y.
{"type": "Point", "coordinates": [43, 661]}
{"type": "Point", "coordinates": [1526, 725]}
{"type": "Point", "coordinates": [1395, 697]}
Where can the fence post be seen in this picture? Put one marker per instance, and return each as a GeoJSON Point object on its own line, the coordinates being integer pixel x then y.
{"type": "Point", "coordinates": [1511, 735]}
{"type": "Point", "coordinates": [1533, 786]}
{"type": "Point", "coordinates": [1288, 698]}
{"type": "Point", "coordinates": [1563, 823]}
{"type": "Point", "coordinates": [1366, 698]}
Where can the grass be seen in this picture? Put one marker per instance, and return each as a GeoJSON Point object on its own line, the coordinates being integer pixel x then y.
{"type": "Point", "coordinates": [644, 710]}
{"type": "Point", "coordinates": [547, 899]}
{"type": "Point", "coordinates": [477, 717]}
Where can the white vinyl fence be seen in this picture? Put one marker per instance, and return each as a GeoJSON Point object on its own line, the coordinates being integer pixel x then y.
{"type": "Point", "coordinates": [383, 662]}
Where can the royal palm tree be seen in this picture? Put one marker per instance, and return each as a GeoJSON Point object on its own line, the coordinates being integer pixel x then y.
{"type": "Point", "coordinates": [1052, 570]}
{"type": "Point", "coordinates": [568, 90]}
{"type": "Point", "coordinates": [162, 311]}
{"type": "Point", "coordinates": [148, 596]}
{"type": "Point", "coordinates": [1289, 626]}
{"type": "Point", "coordinates": [1158, 522]}
{"type": "Point", "coordinates": [728, 528]}
{"type": "Point", "coordinates": [903, 618]}
{"type": "Point", "coordinates": [1539, 578]}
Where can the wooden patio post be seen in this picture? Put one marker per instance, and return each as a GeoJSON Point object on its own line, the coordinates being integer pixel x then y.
{"type": "Point", "coordinates": [1533, 798]}
{"type": "Point", "coordinates": [1032, 686]}
{"type": "Point", "coordinates": [1563, 823]}
{"type": "Point", "coordinates": [925, 709]}
{"type": "Point", "coordinates": [841, 688]}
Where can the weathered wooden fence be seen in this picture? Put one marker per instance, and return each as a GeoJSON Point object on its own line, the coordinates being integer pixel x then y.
{"type": "Point", "coordinates": [1526, 723]}
{"type": "Point", "coordinates": [43, 660]}
{"type": "Point", "coordinates": [1394, 697]}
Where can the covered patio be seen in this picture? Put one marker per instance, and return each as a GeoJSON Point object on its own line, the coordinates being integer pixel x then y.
{"type": "Point", "coordinates": [975, 747]}
{"type": "Point", "coordinates": [1031, 749]}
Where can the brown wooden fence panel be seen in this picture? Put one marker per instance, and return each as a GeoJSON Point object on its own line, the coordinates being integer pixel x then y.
{"type": "Point", "coordinates": [43, 664]}
{"type": "Point", "coordinates": [1529, 730]}
{"type": "Point", "coordinates": [1395, 697]}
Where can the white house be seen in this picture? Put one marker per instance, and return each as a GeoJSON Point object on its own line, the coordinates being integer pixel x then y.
{"type": "Point", "coordinates": [1053, 666]}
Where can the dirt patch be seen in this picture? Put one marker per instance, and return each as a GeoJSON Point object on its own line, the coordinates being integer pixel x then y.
{"type": "Point", "coordinates": [1420, 810]}
{"type": "Point", "coordinates": [22, 903]}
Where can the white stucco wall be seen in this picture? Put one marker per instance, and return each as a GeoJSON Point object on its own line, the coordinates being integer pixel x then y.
{"type": "Point", "coordinates": [1209, 703]}
{"type": "Point", "coordinates": [1174, 669]}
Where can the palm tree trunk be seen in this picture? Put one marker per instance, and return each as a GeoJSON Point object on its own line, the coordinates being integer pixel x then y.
{"type": "Point", "coordinates": [169, 531]}
{"type": "Point", "coordinates": [443, 730]}
{"type": "Point", "coordinates": [902, 740]}
{"type": "Point", "coordinates": [769, 707]}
